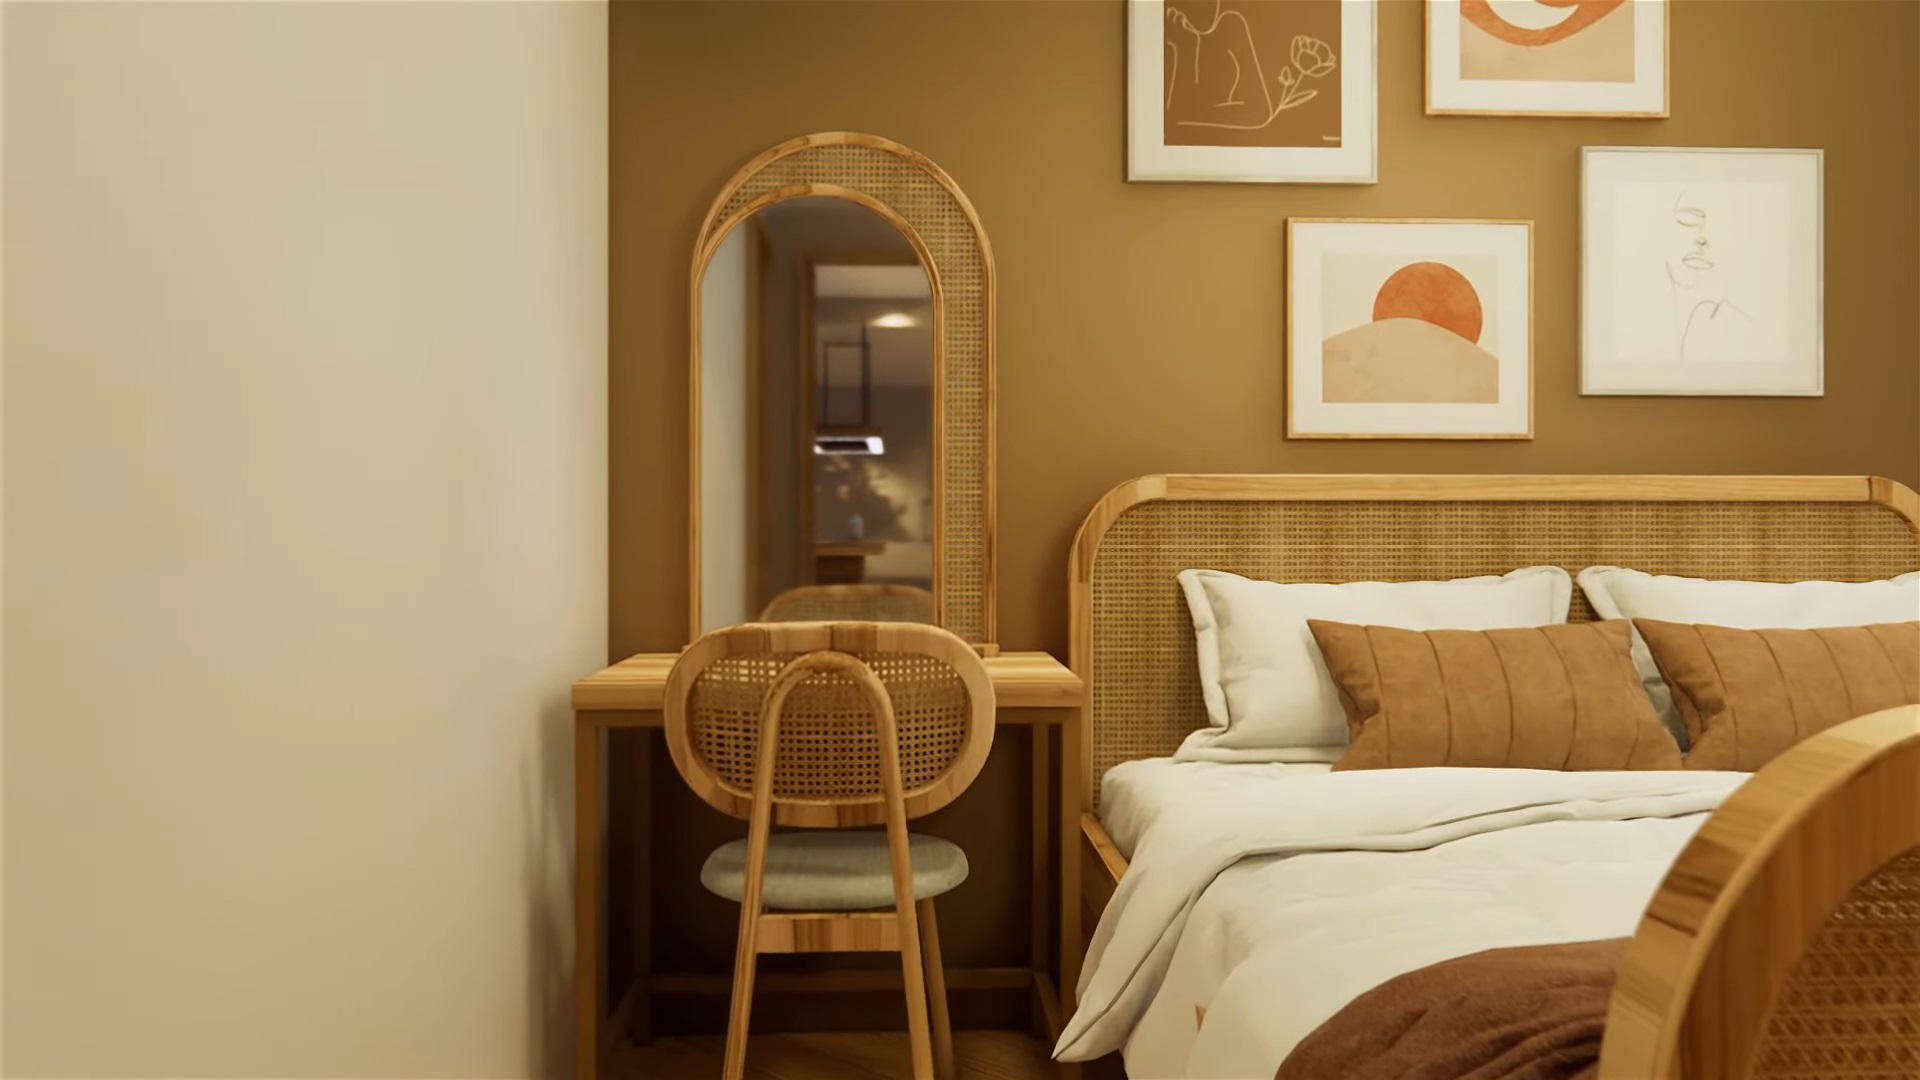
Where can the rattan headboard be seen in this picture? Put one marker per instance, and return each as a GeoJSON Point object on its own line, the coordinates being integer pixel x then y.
{"type": "Point", "coordinates": [1132, 640]}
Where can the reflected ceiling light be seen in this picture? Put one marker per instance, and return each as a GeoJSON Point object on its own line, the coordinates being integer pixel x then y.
{"type": "Point", "coordinates": [894, 320]}
{"type": "Point", "coordinates": [848, 442]}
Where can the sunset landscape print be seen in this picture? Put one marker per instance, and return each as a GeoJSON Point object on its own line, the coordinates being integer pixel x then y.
{"type": "Point", "coordinates": [1422, 341]}
{"type": "Point", "coordinates": [1405, 328]}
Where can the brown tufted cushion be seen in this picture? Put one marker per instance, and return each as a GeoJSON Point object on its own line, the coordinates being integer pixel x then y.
{"type": "Point", "coordinates": [1748, 695]}
{"type": "Point", "coordinates": [1547, 697]}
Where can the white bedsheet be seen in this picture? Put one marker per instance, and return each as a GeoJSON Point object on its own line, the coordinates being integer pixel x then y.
{"type": "Point", "coordinates": [1134, 793]}
{"type": "Point", "coordinates": [1273, 905]}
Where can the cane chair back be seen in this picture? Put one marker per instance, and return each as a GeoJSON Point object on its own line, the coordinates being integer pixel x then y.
{"type": "Point", "coordinates": [859, 603]}
{"type": "Point", "coordinates": [827, 768]}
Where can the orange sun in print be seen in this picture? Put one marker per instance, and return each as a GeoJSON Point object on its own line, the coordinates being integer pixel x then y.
{"type": "Point", "coordinates": [1432, 293]}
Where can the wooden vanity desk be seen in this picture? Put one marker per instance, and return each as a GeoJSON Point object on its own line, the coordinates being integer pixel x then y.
{"type": "Point", "coordinates": [890, 263]}
{"type": "Point", "coordinates": [1031, 690]}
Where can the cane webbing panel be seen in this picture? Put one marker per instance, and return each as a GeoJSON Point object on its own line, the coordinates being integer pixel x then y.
{"type": "Point", "coordinates": [851, 603]}
{"type": "Point", "coordinates": [1143, 678]}
{"type": "Point", "coordinates": [1851, 1009]}
{"type": "Point", "coordinates": [962, 273]}
{"type": "Point", "coordinates": [829, 750]}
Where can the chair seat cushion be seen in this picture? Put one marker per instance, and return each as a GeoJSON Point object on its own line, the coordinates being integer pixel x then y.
{"type": "Point", "coordinates": [838, 870]}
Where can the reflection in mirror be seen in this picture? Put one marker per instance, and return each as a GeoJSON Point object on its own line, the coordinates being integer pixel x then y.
{"type": "Point", "coordinates": [816, 420]}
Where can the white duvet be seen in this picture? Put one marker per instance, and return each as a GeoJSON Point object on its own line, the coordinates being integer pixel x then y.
{"type": "Point", "coordinates": [1273, 908]}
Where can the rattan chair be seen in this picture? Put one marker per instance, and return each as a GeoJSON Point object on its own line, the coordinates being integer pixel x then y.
{"type": "Point", "coordinates": [867, 603]}
{"type": "Point", "coordinates": [872, 724]}
{"type": "Point", "coordinates": [1785, 942]}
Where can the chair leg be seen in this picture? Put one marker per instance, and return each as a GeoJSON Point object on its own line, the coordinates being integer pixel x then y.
{"type": "Point", "coordinates": [744, 960]}
{"type": "Point", "coordinates": [943, 1068]}
{"type": "Point", "coordinates": [913, 974]}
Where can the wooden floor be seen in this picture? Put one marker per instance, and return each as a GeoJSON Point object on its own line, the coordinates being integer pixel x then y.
{"type": "Point", "coordinates": [981, 1055]}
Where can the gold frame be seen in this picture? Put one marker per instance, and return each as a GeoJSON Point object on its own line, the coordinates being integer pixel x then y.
{"type": "Point", "coordinates": [943, 228]}
{"type": "Point", "coordinates": [1666, 77]}
{"type": "Point", "coordinates": [1286, 279]}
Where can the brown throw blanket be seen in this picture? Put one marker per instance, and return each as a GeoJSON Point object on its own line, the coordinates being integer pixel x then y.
{"type": "Point", "coordinates": [1532, 1013]}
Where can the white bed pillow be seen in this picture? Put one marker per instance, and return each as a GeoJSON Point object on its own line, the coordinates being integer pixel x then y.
{"type": "Point", "coordinates": [1617, 593]}
{"type": "Point", "coordinates": [1268, 694]}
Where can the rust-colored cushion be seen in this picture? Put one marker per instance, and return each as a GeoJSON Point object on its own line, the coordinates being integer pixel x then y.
{"type": "Point", "coordinates": [1748, 695]}
{"type": "Point", "coordinates": [1546, 697]}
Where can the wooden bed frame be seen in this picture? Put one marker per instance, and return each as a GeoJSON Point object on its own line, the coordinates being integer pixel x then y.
{"type": "Point", "coordinates": [1830, 829]}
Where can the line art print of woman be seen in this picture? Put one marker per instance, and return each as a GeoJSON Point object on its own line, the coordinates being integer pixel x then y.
{"type": "Point", "coordinates": [1221, 90]}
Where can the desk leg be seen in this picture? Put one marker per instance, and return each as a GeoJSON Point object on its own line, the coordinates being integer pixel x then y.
{"type": "Point", "coordinates": [640, 1027]}
{"type": "Point", "coordinates": [586, 899]}
{"type": "Point", "coordinates": [1042, 854]}
{"type": "Point", "coordinates": [1073, 801]}
{"type": "Point", "coordinates": [1069, 840]}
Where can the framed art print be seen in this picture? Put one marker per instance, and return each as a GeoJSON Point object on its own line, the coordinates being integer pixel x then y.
{"type": "Point", "coordinates": [1700, 271]}
{"type": "Point", "coordinates": [1254, 91]}
{"type": "Point", "coordinates": [1547, 57]}
{"type": "Point", "coordinates": [1409, 329]}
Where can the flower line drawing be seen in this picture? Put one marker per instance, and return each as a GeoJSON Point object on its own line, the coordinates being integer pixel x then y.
{"type": "Point", "coordinates": [1310, 59]}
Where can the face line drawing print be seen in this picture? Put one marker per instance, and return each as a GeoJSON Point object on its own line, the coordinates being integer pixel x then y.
{"type": "Point", "coordinates": [1695, 262]}
{"type": "Point", "coordinates": [1292, 78]}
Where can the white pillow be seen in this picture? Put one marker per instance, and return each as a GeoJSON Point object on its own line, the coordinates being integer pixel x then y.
{"type": "Point", "coordinates": [1616, 593]}
{"type": "Point", "coordinates": [1268, 694]}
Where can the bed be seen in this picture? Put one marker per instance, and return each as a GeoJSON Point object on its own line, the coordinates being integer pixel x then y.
{"type": "Point", "coordinates": [1278, 894]}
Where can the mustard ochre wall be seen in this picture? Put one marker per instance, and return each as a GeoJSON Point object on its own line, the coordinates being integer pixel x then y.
{"type": "Point", "coordinates": [1141, 324]}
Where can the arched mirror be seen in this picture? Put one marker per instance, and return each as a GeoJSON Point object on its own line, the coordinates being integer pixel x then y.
{"type": "Point", "coordinates": [841, 385]}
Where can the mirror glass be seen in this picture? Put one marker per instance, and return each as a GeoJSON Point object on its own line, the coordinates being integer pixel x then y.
{"type": "Point", "coordinates": [816, 420]}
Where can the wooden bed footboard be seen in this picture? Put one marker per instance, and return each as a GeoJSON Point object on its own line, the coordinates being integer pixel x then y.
{"type": "Point", "coordinates": [1785, 941]}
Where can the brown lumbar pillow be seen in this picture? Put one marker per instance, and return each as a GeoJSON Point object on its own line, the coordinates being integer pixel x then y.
{"type": "Point", "coordinates": [1748, 695]}
{"type": "Point", "coordinates": [1546, 697]}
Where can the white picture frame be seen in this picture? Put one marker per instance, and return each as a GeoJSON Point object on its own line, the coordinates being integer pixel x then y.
{"type": "Point", "coordinates": [1409, 328]}
{"type": "Point", "coordinates": [1612, 61]}
{"type": "Point", "coordinates": [1701, 272]}
{"type": "Point", "coordinates": [1161, 36]}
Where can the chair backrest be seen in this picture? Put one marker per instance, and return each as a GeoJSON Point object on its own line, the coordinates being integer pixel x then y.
{"type": "Point", "coordinates": [1785, 941]}
{"type": "Point", "coordinates": [827, 770]}
{"type": "Point", "coordinates": [851, 603]}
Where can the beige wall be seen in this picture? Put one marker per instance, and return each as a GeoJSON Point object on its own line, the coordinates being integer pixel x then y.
{"type": "Point", "coordinates": [305, 517]}
{"type": "Point", "coordinates": [1140, 324]}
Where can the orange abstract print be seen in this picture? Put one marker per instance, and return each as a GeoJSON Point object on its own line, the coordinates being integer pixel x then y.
{"type": "Point", "coordinates": [1547, 40]}
{"type": "Point", "coordinates": [1585, 13]}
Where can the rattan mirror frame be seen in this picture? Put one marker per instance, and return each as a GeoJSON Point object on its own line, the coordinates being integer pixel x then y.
{"type": "Point", "coordinates": [917, 197]}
